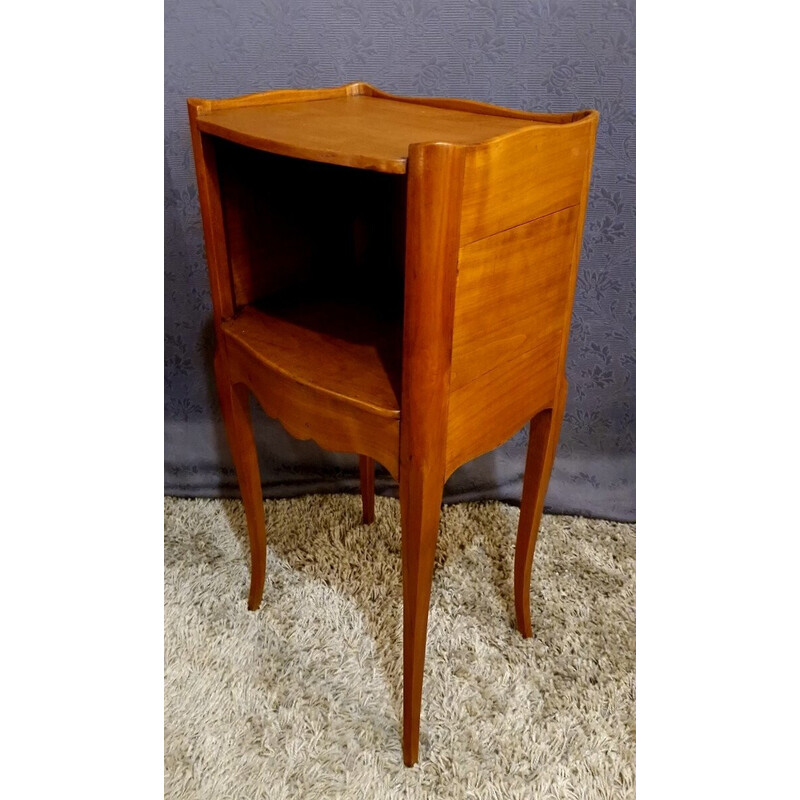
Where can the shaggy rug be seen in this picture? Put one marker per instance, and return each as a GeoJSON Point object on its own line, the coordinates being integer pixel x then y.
{"type": "Point", "coordinates": [303, 698]}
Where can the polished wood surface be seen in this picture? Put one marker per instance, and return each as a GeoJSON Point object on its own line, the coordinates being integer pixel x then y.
{"type": "Point", "coordinates": [524, 176]}
{"type": "Point", "coordinates": [503, 373]}
{"type": "Point", "coordinates": [472, 106]}
{"type": "Point", "coordinates": [331, 420]}
{"type": "Point", "coordinates": [353, 131]}
{"type": "Point", "coordinates": [358, 125]}
{"type": "Point", "coordinates": [329, 372]}
{"type": "Point", "coordinates": [542, 442]}
{"type": "Point", "coordinates": [394, 277]}
{"type": "Point", "coordinates": [340, 350]}
{"type": "Point", "coordinates": [434, 195]}
{"type": "Point", "coordinates": [211, 211]}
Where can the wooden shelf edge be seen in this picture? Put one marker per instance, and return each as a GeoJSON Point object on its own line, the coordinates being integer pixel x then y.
{"type": "Point", "coordinates": [245, 342]}
{"type": "Point", "coordinates": [393, 166]}
{"type": "Point", "coordinates": [203, 111]}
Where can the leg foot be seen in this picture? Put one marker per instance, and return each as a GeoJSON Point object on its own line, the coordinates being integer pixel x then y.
{"type": "Point", "coordinates": [420, 508]}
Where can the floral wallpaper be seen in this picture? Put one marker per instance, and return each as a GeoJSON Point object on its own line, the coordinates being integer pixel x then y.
{"type": "Point", "coordinates": [546, 55]}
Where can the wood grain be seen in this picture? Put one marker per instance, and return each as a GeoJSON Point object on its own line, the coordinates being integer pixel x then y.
{"type": "Point", "coordinates": [525, 175]}
{"type": "Point", "coordinates": [516, 281]}
{"type": "Point", "coordinates": [434, 199]}
{"type": "Point", "coordinates": [306, 413]}
{"type": "Point", "coordinates": [577, 242]}
{"type": "Point", "coordinates": [354, 131]}
{"type": "Point", "coordinates": [489, 410]}
{"type": "Point", "coordinates": [337, 350]}
{"type": "Point", "coordinates": [302, 377]}
{"type": "Point", "coordinates": [504, 372]}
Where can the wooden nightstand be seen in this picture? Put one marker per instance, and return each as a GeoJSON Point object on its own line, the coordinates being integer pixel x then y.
{"type": "Point", "coordinates": [393, 277]}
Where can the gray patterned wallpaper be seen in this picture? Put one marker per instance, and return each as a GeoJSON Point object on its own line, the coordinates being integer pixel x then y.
{"type": "Point", "coordinates": [529, 54]}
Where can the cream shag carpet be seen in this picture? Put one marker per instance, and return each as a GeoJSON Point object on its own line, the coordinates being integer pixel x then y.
{"type": "Point", "coordinates": [302, 699]}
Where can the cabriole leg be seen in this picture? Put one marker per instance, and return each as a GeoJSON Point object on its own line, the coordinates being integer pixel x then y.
{"type": "Point", "coordinates": [542, 441]}
{"type": "Point", "coordinates": [235, 403]}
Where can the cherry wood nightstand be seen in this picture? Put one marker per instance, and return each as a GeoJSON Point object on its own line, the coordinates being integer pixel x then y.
{"type": "Point", "coordinates": [393, 277]}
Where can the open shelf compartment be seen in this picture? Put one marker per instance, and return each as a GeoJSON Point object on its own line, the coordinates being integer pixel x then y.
{"type": "Point", "coordinates": [316, 254]}
{"type": "Point", "coordinates": [342, 349]}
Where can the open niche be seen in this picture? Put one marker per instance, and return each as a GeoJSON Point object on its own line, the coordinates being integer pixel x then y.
{"type": "Point", "coordinates": [316, 255]}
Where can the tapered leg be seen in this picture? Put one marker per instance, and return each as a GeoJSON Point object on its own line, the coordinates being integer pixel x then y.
{"type": "Point", "coordinates": [435, 180]}
{"type": "Point", "coordinates": [366, 468]}
{"type": "Point", "coordinates": [420, 508]}
{"type": "Point", "coordinates": [544, 432]}
{"type": "Point", "coordinates": [235, 403]}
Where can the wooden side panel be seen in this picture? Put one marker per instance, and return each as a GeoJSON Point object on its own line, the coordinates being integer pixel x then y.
{"type": "Point", "coordinates": [524, 200]}
{"type": "Point", "coordinates": [523, 176]}
{"type": "Point", "coordinates": [506, 371]}
{"type": "Point", "coordinates": [512, 293]}
{"type": "Point", "coordinates": [492, 408]}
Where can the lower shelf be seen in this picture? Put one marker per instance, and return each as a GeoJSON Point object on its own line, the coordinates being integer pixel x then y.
{"type": "Point", "coordinates": [350, 351]}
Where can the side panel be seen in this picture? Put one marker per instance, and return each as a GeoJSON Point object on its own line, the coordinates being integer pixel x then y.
{"type": "Point", "coordinates": [523, 176]}
{"type": "Point", "coordinates": [524, 201]}
{"type": "Point", "coordinates": [511, 294]}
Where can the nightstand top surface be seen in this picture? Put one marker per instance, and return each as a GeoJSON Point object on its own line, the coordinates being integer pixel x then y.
{"type": "Point", "coordinates": [357, 130]}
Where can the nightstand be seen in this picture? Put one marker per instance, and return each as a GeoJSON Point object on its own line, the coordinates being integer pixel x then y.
{"type": "Point", "coordinates": [393, 277]}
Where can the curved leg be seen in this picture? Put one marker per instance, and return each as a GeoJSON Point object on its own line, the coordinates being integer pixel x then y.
{"type": "Point", "coordinates": [542, 441]}
{"type": "Point", "coordinates": [420, 508]}
{"type": "Point", "coordinates": [235, 403]}
{"type": "Point", "coordinates": [366, 468]}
